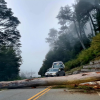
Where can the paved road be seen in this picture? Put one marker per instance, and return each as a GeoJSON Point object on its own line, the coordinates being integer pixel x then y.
{"type": "Point", "coordinates": [19, 94]}
{"type": "Point", "coordinates": [46, 94]}
{"type": "Point", "coordinates": [60, 94]}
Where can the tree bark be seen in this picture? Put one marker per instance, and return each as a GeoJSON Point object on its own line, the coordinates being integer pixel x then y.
{"type": "Point", "coordinates": [92, 22]}
{"type": "Point", "coordinates": [80, 39]}
{"type": "Point", "coordinates": [64, 80]}
{"type": "Point", "coordinates": [85, 33]}
{"type": "Point", "coordinates": [93, 34]}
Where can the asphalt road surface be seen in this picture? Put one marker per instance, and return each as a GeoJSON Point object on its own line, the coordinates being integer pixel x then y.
{"type": "Point", "coordinates": [46, 93]}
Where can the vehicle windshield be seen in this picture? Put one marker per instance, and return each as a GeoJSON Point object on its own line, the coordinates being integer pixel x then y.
{"type": "Point", "coordinates": [53, 70]}
{"type": "Point", "coordinates": [57, 65]}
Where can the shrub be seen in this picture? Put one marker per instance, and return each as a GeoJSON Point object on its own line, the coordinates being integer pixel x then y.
{"type": "Point", "coordinates": [72, 64]}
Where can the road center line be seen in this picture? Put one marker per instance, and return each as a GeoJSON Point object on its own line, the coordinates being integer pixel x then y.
{"type": "Point", "coordinates": [39, 93]}
{"type": "Point", "coordinates": [42, 94]}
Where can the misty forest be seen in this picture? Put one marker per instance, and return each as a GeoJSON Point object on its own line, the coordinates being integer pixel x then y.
{"type": "Point", "coordinates": [77, 41]}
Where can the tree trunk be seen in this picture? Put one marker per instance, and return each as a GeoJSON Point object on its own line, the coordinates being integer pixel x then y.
{"type": "Point", "coordinates": [93, 34]}
{"type": "Point", "coordinates": [92, 22]}
{"type": "Point", "coordinates": [85, 33]}
{"type": "Point", "coordinates": [80, 39]}
{"type": "Point", "coordinates": [64, 80]}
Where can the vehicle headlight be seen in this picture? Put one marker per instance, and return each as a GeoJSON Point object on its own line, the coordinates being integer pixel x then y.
{"type": "Point", "coordinates": [53, 73]}
{"type": "Point", "coordinates": [45, 73]}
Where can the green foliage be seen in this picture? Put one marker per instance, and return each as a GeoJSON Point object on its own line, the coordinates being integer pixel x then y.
{"type": "Point", "coordinates": [10, 59]}
{"type": "Point", "coordinates": [9, 64]}
{"type": "Point", "coordinates": [9, 35]}
{"type": "Point", "coordinates": [86, 55]}
{"type": "Point", "coordinates": [16, 78]}
{"type": "Point", "coordinates": [71, 64]}
{"type": "Point", "coordinates": [59, 86]}
{"type": "Point", "coordinates": [52, 36]}
{"type": "Point", "coordinates": [84, 87]}
{"type": "Point", "coordinates": [73, 87]}
{"type": "Point", "coordinates": [84, 10]}
{"type": "Point", "coordinates": [47, 63]}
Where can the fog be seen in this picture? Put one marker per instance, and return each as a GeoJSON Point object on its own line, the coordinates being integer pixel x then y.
{"type": "Point", "coordinates": [36, 17]}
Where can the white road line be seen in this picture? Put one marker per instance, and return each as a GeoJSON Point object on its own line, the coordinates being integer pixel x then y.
{"type": "Point", "coordinates": [98, 93]}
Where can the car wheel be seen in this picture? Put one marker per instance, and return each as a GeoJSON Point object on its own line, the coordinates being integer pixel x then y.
{"type": "Point", "coordinates": [63, 74]}
{"type": "Point", "coordinates": [57, 74]}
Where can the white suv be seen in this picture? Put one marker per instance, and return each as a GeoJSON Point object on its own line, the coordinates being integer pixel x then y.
{"type": "Point", "coordinates": [58, 64]}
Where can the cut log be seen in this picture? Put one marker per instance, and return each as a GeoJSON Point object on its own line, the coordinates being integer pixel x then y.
{"type": "Point", "coordinates": [64, 80]}
{"type": "Point", "coordinates": [95, 85]}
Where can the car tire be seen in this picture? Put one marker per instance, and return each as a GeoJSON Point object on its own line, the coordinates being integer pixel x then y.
{"type": "Point", "coordinates": [57, 74]}
{"type": "Point", "coordinates": [64, 74]}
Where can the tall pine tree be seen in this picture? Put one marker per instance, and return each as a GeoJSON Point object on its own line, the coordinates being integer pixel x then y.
{"type": "Point", "coordinates": [10, 59]}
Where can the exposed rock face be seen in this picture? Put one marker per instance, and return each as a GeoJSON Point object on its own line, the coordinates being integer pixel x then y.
{"type": "Point", "coordinates": [92, 67]}
{"type": "Point", "coordinates": [76, 72]}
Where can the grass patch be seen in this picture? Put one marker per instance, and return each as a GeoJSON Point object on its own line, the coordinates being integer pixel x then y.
{"type": "Point", "coordinates": [3, 89]}
{"type": "Point", "coordinates": [97, 58]}
{"type": "Point", "coordinates": [64, 86]}
{"type": "Point", "coordinates": [59, 86]}
{"type": "Point", "coordinates": [72, 87]}
{"type": "Point", "coordinates": [85, 87]}
{"type": "Point", "coordinates": [85, 91]}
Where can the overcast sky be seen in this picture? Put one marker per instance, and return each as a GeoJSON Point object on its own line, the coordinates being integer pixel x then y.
{"type": "Point", "coordinates": [36, 17]}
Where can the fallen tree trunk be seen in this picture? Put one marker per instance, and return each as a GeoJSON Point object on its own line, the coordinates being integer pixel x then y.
{"type": "Point", "coordinates": [64, 80]}
{"type": "Point", "coordinates": [95, 84]}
